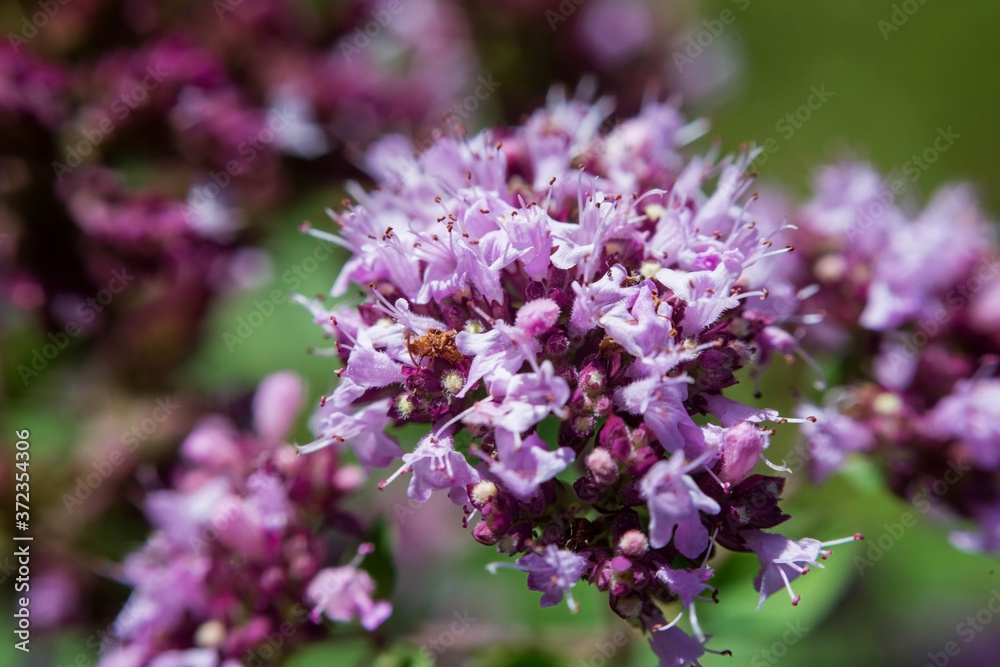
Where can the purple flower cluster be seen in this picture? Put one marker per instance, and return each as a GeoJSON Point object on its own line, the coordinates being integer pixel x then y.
{"type": "Point", "coordinates": [912, 299]}
{"type": "Point", "coordinates": [154, 140]}
{"type": "Point", "coordinates": [552, 294]}
{"type": "Point", "coordinates": [235, 555]}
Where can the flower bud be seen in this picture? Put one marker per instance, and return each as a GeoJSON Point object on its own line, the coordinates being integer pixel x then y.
{"type": "Point", "coordinates": [587, 491]}
{"type": "Point", "coordinates": [536, 317]}
{"type": "Point", "coordinates": [602, 406]}
{"type": "Point", "coordinates": [556, 345]}
{"type": "Point", "coordinates": [633, 543]}
{"type": "Point", "coordinates": [602, 467]}
{"type": "Point", "coordinates": [483, 534]}
{"type": "Point", "coordinates": [592, 381]}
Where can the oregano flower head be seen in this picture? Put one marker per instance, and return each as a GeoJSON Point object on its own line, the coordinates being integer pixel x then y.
{"type": "Point", "coordinates": [562, 304]}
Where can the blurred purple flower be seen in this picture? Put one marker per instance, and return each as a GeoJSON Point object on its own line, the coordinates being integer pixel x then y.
{"type": "Point", "coordinates": [234, 536]}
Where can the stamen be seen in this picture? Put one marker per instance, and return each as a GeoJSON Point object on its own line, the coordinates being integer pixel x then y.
{"type": "Point", "coordinates": [784, 226]}
{"type": "Point", "coordinates": [739, 226]}
{"type": "Point", "coordinates": [762, 293]}
{"type": "Point", "coordinates": [573, 606]}
{"type": "Point", "coordinates": [788, 587]}
{"type": "Point", "coordinates": [496, 565]}
{"type": "Point", "coordinates": [695, 627]}
{"type": "Point", "coordinates": [363, 550]}
{"type": "Point", "coordinates": [661, 627]}
{"type": "Point", "coordinates": [453, 420]}
{"type": "Point", "coordinates": [482, 314]}
{"type": "Point", "coordinates": [386, 482]}
{"type": "Point", "coordinates": [711, 544]}
{"type": "Point", "coordinates": [794, 420]}
{"type": "Point", "coordinates": [328, 237]}
{"type": "Point", "coordinates": [820, 382]}
{"type": "Point", "coordinates": [325, 351]}
{"type": "Point", "coordinates": [697, 462]}
{"type": "Point", "coordinates": [725, 485]}
{"type": "Point", "coordinates": [844, 540]}
{"type": "Point", "coordinates": [318, 444]}
{"type": "Point", "coordinates": [782, 251]}
{"type": "Point", "coordinates": [774, 466]}
{"type": "Point", "coordinates": [648, 193]}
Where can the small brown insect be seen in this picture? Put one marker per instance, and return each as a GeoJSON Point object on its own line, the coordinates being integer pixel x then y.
{"type": "Point", "coordinates": [583, 532]}
{"type": "Point", "coordinates": [631, 280]}
{"type": "Point", "coordinates": [609, 347]}
{"type": "Point", "coordinates": [434, 344]}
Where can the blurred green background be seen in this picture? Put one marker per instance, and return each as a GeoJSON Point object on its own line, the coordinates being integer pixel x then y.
{"type": "Point", "coordinates": [891, 92]}
{"type": "Point", "coordinates": [892, 88]}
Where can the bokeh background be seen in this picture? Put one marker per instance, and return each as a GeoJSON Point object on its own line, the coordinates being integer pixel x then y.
{"type": "Point", "coordinates": [893, 90]}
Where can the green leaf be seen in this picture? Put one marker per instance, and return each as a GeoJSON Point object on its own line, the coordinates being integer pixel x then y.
{"type": "Point", "coordinates": [519, 657]}
{"type": "Point", "coordinates": [404, 655]}
{"type": "Point", "coordinates": [351, 653]}
{"type": "Point", "coordinates": [252, 334]}
{"type": "Point", "coordinates": [380, 564]}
